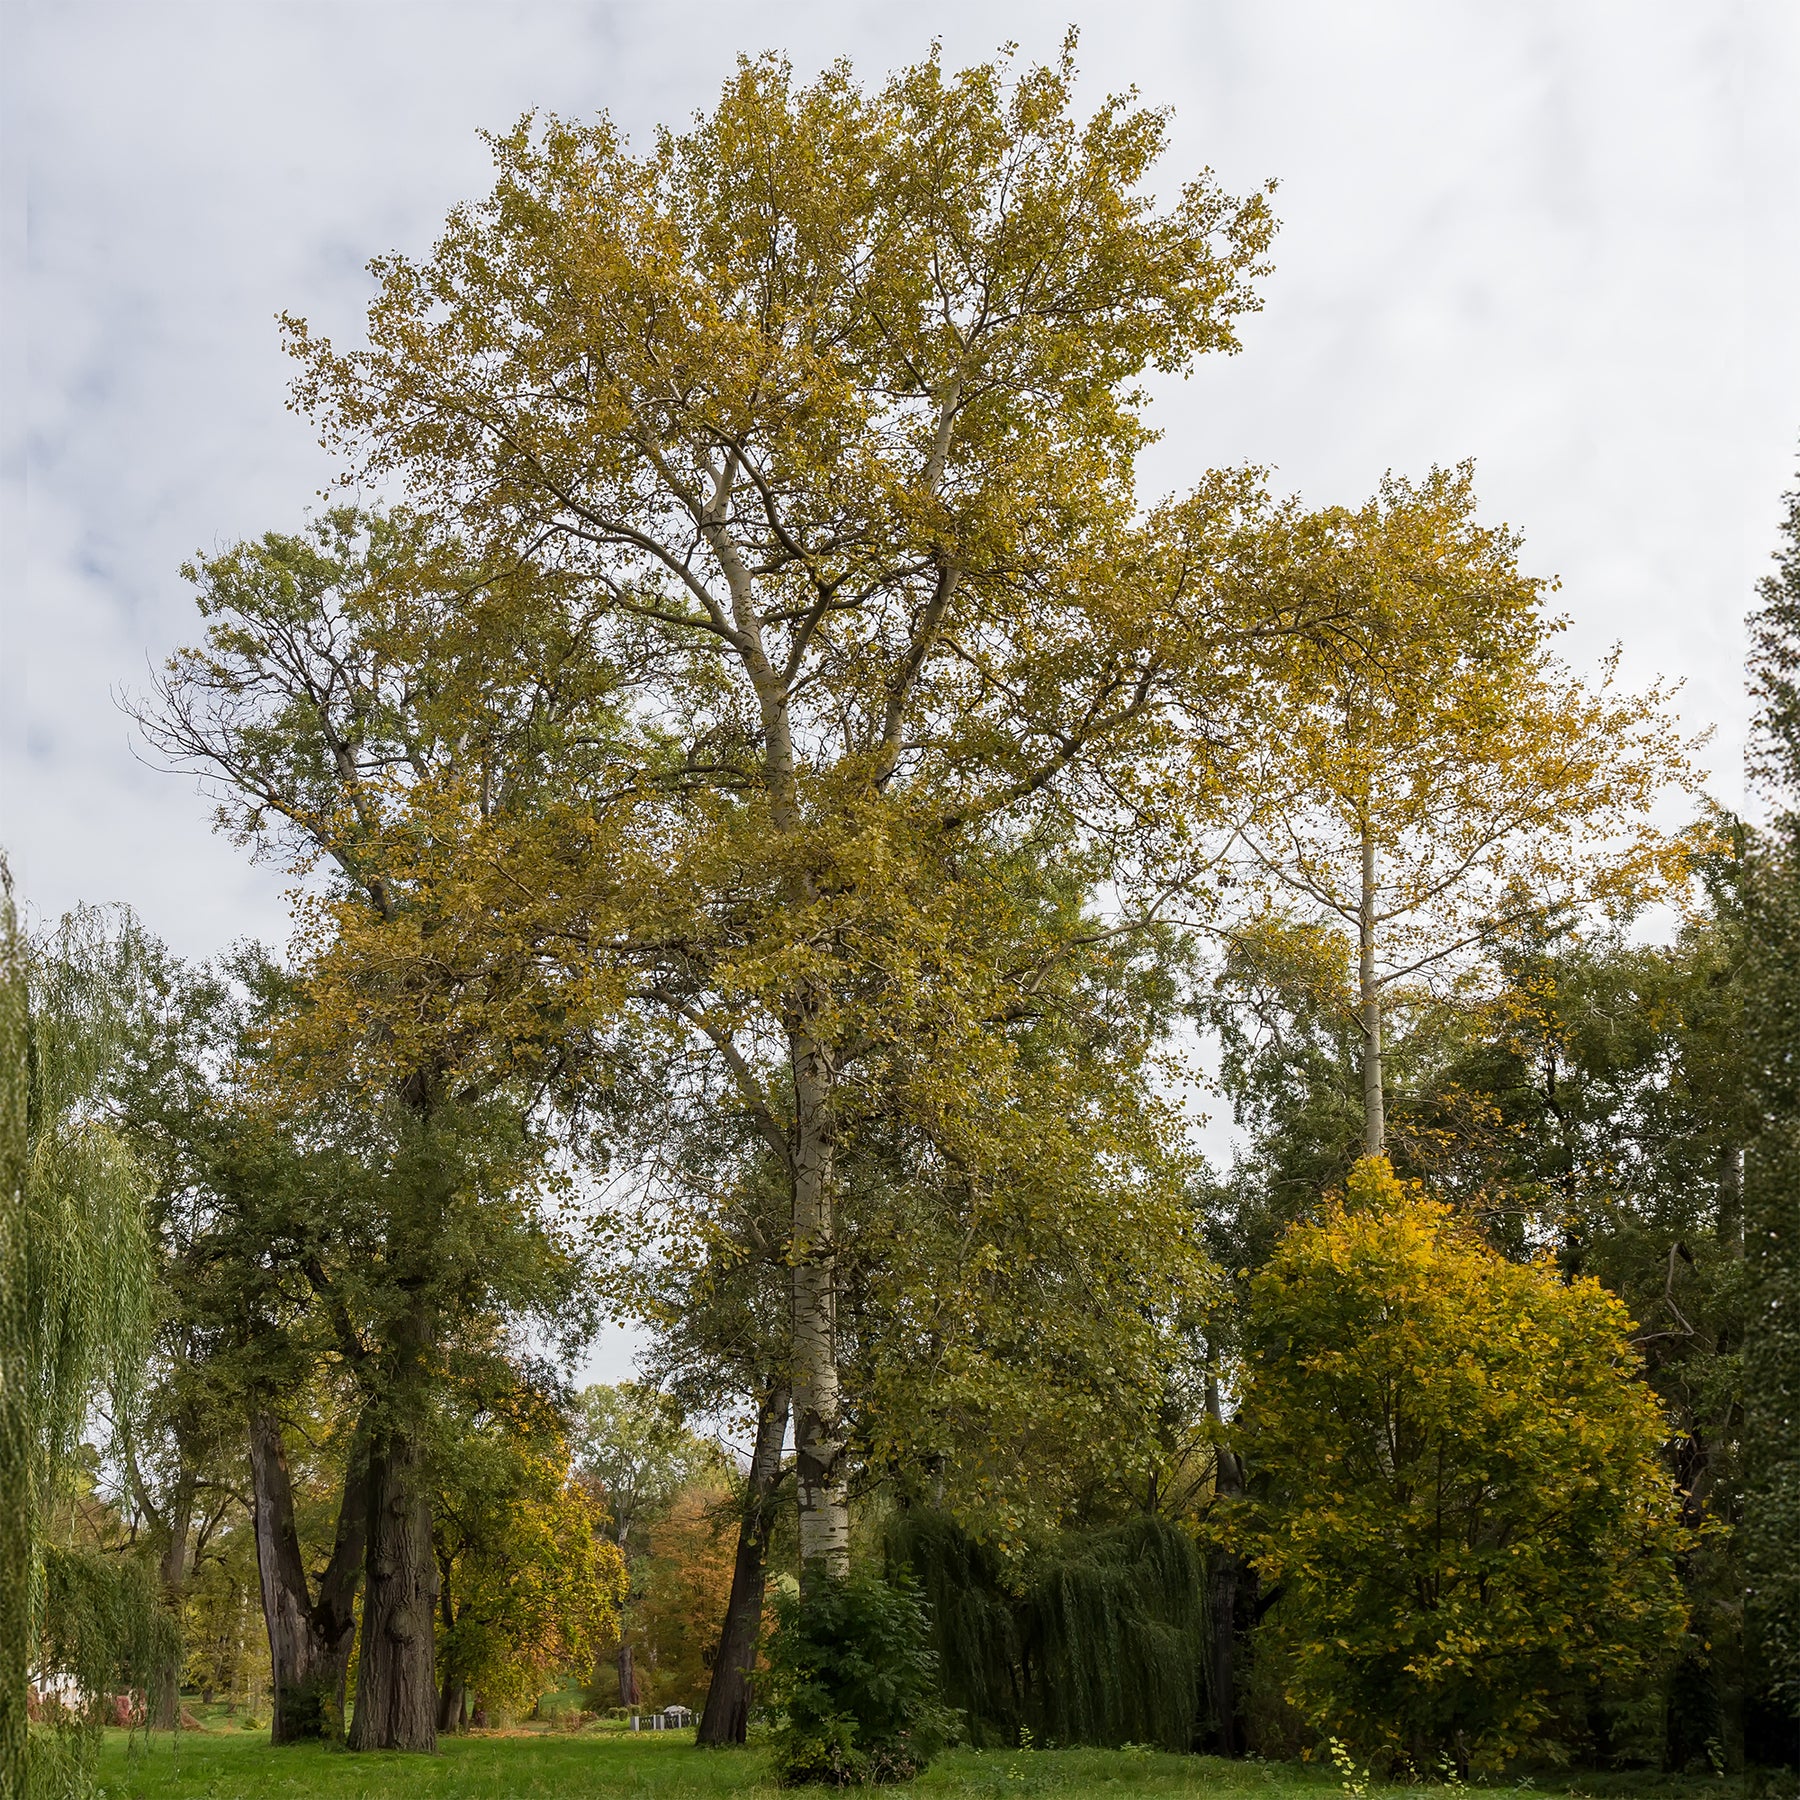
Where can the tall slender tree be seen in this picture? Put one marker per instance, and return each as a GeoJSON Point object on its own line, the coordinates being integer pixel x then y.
{"type": "Point", "coordinates": [1437, 778]}
{"type": "Point", "coordinates": [1772, 1234]}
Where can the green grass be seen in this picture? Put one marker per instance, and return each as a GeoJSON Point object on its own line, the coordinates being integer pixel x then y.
{"type": "Point", "coordinates": [233, 1765]}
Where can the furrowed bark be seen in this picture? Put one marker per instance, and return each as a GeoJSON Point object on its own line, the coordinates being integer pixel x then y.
{"type": "Point", "coordinates": [819, 1441]}
{"type": "Point", "coordinates": [396, 1675]}
{"type": "Point", "coordinates": [725, 1718]}
{"type": "Point", "coordinates": [1369, 1003]}
{"type": "Point", "coordinates": [172, 1574]}
{"type": "Point", "coordinates": [309, 1642]}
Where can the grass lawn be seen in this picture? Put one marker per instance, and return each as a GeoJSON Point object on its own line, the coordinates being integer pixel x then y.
{"type": "Point", "coordinates": [239, 1765]}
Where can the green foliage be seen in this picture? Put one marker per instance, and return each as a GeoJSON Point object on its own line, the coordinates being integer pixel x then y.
{"type": "Point", "coordinates": [1772, 1341]}
{"type": "Point", "coordinates": [1597, 1101]}
{"type": "Point", "coordinates": [853, 1677]}
{"type": "Point", "coordinates": [1011, 1273]}
{"type": "Point", "coordinates": [74, 1283]}
{"type": "Point", "coordinates": [631, 1445]}
{"type": "Point", "coordinates": [528, 1588]}
{"type": "Point", "coordinates": [226, 1652]}
{"type": "Point", "coordinates": [1774, 667]}
{"type": "Point", "coordinates": [974, 1621]}
{"type": "Point", "coordinates": [1114, 1637]}
{"type": "Point", "coordinates": [1098, 1639]}
{"type": "Point", "coordinates": [1455, 1481]}
{"type": "Point", "coordinates": [102, 1620]}
{"type": "Point", "coordinates": [1772, 1384]}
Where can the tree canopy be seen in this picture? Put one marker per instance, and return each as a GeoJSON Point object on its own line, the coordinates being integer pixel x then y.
{"type": "Point", "coordinates": [1454, 1479]}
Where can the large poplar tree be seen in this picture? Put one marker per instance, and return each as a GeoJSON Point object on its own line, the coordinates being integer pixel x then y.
{"type": "Point", "coordinates": [816, 427]}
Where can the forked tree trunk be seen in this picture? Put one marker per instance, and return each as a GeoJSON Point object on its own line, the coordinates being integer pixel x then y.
{"type": "Point", "coordinates": [1369, 1008]}
{"type": "Point", "coordinates": [629, 1693]}
{"type": "Point", "coordinates": [396, 1674]}
{"type": "Point", "coordinates": [453, 1707]}
{"type": "Point", "coordinates": [309, 1641]}
{"type": "Point", "coordinates": [725, 1719]}
{"type": "Point", "coordinates": [819, 1440]}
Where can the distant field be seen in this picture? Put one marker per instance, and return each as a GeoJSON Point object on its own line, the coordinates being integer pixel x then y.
{"type": "Point", "coordinates": [241, 1766]}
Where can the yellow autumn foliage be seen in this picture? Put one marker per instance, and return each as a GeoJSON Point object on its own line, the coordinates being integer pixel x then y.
{"type": "Point", "coordinates": [530, 1588]}
{"type": "Point", "coordinates": [1454, 1486]}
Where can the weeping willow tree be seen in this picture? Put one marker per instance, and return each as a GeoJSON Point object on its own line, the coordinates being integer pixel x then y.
{"type": "Point", "coordinates": [1103, 1641]}
{"type": "Point", "coordinates": [74, 1307]}
{"type": "Point", "coordinates": [974, 1631]}
{"type": "Point", "coordinates": [1115, 1639]}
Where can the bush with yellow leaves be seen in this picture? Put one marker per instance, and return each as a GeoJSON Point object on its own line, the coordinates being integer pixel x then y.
{"type": "Point", "coordinates": [1454, 1487]}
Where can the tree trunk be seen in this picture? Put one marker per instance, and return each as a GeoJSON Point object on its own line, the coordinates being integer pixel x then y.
{"type": "Point", "coordinates": [1227, 1570]}
{"type": "Point", "coordinates": [453, 1696]}
{"type": "Point", "coordinates": [1731, 1199]}
{"type": "Point", "coordinates": [309, 1642]}
{"type": "Point", "coordinates": [725, 1719]}
{"type": "Point", "coordinates": [172, 1572]}
{"type": "Point", "coordinates": [453, 1706]}
{"type": "Point", "coordinates": [624, 1668]}
{"type": "Point", "coordinates": [819, 1442]}
{"type": "Point", "coordinates": [396, 1676]}
{"type": "Point", "coordinates": [1369, 1004]}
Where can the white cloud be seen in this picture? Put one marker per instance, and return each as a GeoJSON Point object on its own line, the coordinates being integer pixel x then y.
{"type": "Point", "coordinates": [1564, 240]}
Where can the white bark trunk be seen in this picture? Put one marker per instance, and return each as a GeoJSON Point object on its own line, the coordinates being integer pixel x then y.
{"type": "Point", "coordinates": [1369, 1008]}
{"type": "Point", "coordinates": [819, 1440]}
{"type": "Point", "coordinates": [818, 1417]}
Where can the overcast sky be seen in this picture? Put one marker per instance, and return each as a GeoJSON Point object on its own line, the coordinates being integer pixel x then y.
{"type": "Point", "coordinates": [1561, 238]}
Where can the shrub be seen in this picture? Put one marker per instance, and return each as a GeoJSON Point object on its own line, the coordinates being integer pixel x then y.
{"type": "Point", "coordinates": [852, 1675]}
{"type": "Point", "coordinates": [1456, 1485]}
